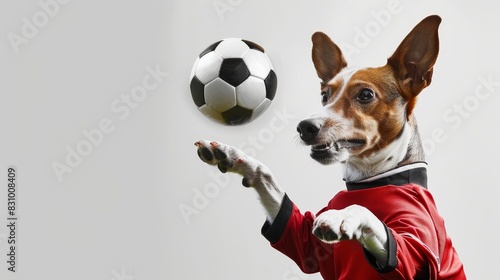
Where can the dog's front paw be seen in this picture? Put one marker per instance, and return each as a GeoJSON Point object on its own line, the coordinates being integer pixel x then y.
{"type": "Point", "coordinates": [227, 159]}
{"type": "Point", "coordinates": [255, 174]}
{"type": "Point", "coordinates": [336, 225]}
{"type": "Point", "coordinates": [353, 222]}
{"type": "Point", "coordinates": [215, 153]}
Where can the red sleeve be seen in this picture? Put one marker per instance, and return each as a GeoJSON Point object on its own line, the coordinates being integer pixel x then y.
{"type": "Point", "coordinates": [406, 259]}
{"type": "Point", "coordinates": [417, 237]}
{"type": "Point", "coordinates": [425, 245]}
{"type": "Point", "coordinates": [413, 233]}
{"type": "Point", "coordinates": [418, 245]}
{"type": "Point", "coordinates": [291, 234]}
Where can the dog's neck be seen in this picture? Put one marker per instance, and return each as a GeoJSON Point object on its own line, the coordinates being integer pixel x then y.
{"type": "Point", "coordinates": [405, 149]}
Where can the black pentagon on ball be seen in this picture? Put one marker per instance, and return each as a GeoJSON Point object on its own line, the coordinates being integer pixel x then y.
{"type": "Point", "coordinates": [234, 71]}
{"type": "Point", "coordinates": [197, 91]}
{"type": "Point", "coordinates": [210, 48]}
{"type": "Point", "coordinates": [253, 45]}
{"type": "Point", "coordinates": [237, 115]}
{"type": "Point", "coordinates": [271, 82]}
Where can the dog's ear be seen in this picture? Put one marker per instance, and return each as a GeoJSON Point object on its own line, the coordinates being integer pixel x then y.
{"type": "Point", "coordinates": [414, 59]}
{"type": "Point", "coordinates": [327, 57]}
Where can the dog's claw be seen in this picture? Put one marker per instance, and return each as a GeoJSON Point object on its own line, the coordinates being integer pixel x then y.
{"type": "Point", "coordinates": [214, 144]}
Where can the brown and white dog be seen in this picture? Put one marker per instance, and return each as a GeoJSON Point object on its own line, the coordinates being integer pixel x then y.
{"type": "Point", "coordinates": [367, 125]}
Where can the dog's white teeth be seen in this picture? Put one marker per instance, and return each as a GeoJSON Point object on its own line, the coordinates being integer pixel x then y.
{"type": "Point", "coordinates": [322, 147]}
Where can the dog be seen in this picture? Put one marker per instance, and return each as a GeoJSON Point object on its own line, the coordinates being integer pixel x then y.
{"type": "Point", "coordinates": [385, 225]}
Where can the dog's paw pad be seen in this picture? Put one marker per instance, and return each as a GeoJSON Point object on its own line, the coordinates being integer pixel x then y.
{"type": "Point", "coordinates": [205, 154]}
{"type": "Point", "coordinates": [224, 165]}
{"type": "Point", "coordinates": [328, 227]}
{"type": "Point", "coordinates": [325, 233]}
{"type": "Point", "coordinates": [219, 154]}
{"type": "Point", "coordinates": [246, 183]}
{"type": "Point", "coordinates": [227, 158]}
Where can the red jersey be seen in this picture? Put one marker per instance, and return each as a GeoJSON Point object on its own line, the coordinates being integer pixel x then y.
{"type": "Point", "coordinates": [418, 245]}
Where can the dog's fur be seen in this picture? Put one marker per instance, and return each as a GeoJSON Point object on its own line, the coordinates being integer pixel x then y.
{"type": "Point", "coordinates": [366, 124]}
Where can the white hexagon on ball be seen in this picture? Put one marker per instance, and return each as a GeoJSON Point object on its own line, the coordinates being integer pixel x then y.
{"type": "Point", "coordinates": [220, 95]}
{"type": "Point", "coordinates": [207, 67]}
{"type": "Point", "coordinates": [258, 63]}
{"type": "Point", "coordinates": [251, 93]}
{"type": "Point", "coordinates": [232, 48]}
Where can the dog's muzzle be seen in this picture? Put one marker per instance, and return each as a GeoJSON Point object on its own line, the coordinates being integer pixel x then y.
{"type": "Point", "coordinates": [324, 150]}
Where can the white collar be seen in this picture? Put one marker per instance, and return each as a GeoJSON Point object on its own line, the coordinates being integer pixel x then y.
{"type": "Point", "coordinates": [394, 171]}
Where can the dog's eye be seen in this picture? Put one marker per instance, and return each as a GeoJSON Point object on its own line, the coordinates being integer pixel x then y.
{"type": "Point", "coordinates": [325, 95]}
{"type": "Point", "coordinates": [365, 96]}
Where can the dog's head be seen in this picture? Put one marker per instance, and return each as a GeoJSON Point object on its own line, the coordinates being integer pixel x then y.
{"type": "Point", "coordinates": [365, 110]}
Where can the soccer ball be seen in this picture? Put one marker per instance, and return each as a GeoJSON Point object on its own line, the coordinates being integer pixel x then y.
{"type": "Point", "coordinates": [233, 81]}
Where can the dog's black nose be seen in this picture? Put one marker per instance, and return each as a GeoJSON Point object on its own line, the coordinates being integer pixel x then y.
{"type": "Point", "coordinates": [308, 130]}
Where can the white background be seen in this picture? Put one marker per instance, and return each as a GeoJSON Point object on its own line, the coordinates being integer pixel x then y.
{"type": "Point", "coordinates": [117, 214]}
